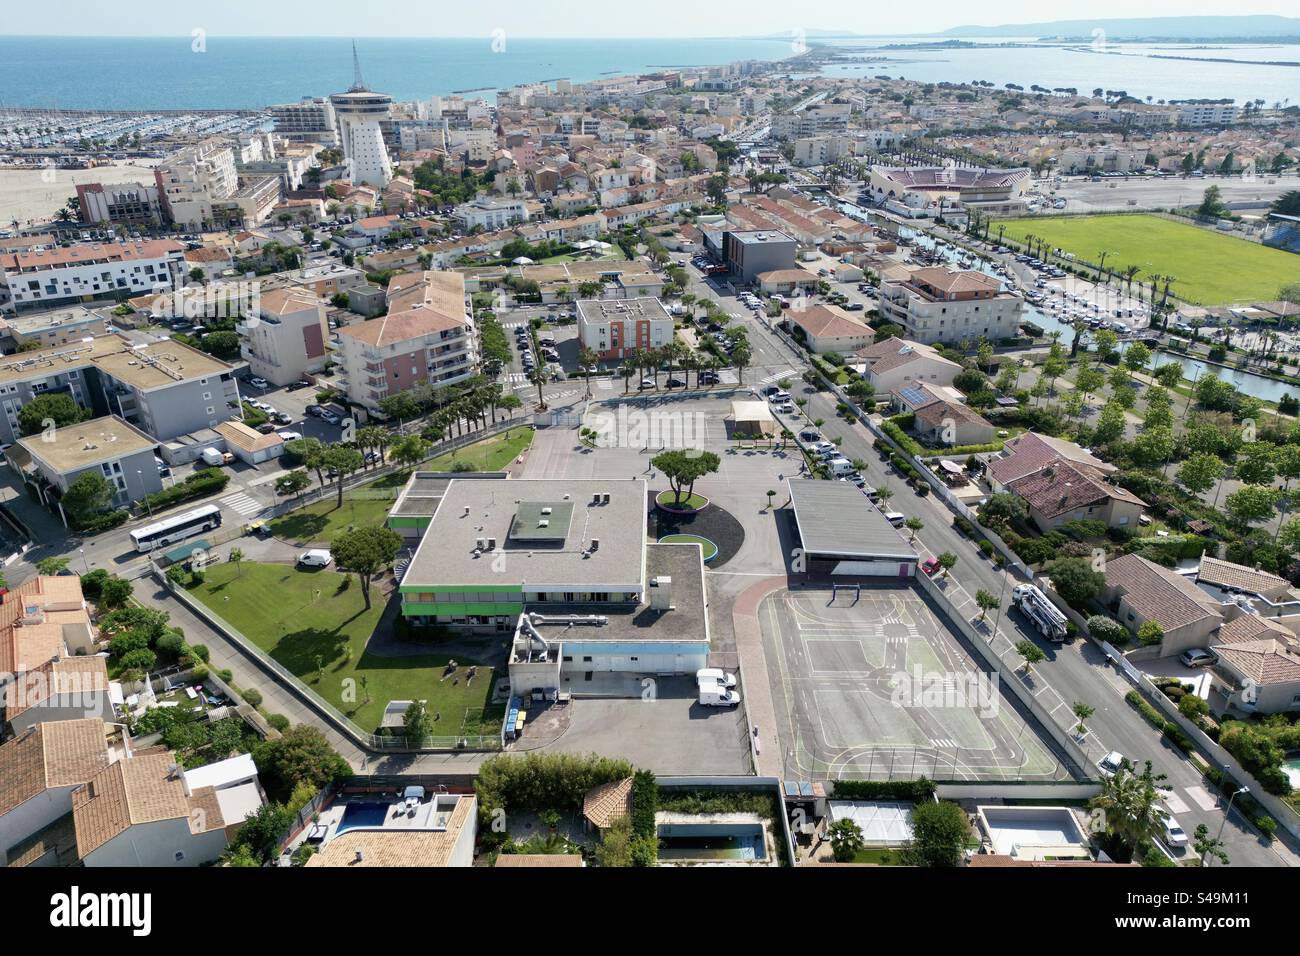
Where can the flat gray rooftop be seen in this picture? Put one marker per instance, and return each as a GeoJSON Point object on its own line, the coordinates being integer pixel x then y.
{"type": "Point", "coordinates": [561, 555]}
{"type": "Point", "coordinates": [836, 519]}
{"type": "Point", "coordinates": [423, 492]}
{"type": "Point", "coordinates": [686, 621]}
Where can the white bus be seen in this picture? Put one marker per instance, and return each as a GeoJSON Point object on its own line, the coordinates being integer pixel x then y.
{"type": "Point", "coordinates": [176, 528]}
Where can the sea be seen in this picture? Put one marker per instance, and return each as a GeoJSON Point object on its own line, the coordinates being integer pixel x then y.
{"type": "Point", "coordinates": [216, 72]}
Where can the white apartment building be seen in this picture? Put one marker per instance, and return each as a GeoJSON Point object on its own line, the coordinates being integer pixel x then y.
{"type": "Point", "coordinates": [490, 213]}
{"type": "Point", "coordinates": [46, 277]}
{"type": "Point", "coordinates": [478, 144]}
{"type": "Point", "coordinates": [1079, 159]}
{"type": "Point", "coordinates": [819, 118]}
{"type": "Point", "coordinates": [310, 120]}
{"type": "Point", "coordinates": [1207, 114]}
{"type": "Point", "coordinates": [286, 337]}
{"type": "Point", "coordinates": [946, 305]}
{"type": "Point", "coordinates": [615, 328]}
{"type": "Point", "coordinates": [195, 178]}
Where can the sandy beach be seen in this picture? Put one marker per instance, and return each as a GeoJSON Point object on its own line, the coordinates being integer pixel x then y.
{"type": "Point", "coordinates": [35, 194]}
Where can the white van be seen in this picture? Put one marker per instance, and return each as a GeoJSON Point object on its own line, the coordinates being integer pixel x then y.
{"type": "Point", "coordinates": [717, 674]}
{"type": "Point", "coordinates": [315, 558]}
{"type": "Point", "coordinates": [713, 694]}
{"type": "Point", "coordinates": [896, 518]}
{"type": "Point", "coordinates": [840, 467]}
{"type": "Point", "coordinates": [212, 457]}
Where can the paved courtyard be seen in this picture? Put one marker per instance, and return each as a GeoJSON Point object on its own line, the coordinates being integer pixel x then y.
{"type": "Point", "coordinates": [876, 687]}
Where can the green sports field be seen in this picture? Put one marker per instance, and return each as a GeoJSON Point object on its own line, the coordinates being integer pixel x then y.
{"type": "Point", "coordinates": [1210, 268]}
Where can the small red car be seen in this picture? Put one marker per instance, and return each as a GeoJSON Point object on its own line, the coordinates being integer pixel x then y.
{"type": "Point", "coordinates": [930, 565]}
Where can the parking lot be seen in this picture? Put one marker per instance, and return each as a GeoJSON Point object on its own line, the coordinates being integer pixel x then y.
{"type": "Point", "coordinates": [876, 687]}
{"type": "Point", "coordinates": [672, 734]}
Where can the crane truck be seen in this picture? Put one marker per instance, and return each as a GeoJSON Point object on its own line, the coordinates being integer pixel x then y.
{"type": "Point", "coordinates": [1046, 616]}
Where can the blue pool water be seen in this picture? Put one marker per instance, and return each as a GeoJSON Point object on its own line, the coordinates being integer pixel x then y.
{"type": "Point", "coordinates": [362, 815]}
{"type": "Point", "coordinates": [711, 841]}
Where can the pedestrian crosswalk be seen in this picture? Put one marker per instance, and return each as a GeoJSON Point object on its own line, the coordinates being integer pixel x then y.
{"type": "Point", "coordinates": [777, 376]}
{"type": "Point", "coordinates": [943, 743]}
{"type": "Point", "coordinates": [242, 504]}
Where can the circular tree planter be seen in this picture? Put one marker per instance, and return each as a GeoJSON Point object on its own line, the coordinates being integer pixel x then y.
{"type": "Point", "coordinates": [667, 500]}
{"type": "Point", "coordinates": [710, 549]}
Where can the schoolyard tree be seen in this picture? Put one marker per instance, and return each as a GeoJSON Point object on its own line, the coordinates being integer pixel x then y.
{"type": "Point", "coordinates": [986, 602]}
{"type": "Point", "coordinates": [409, 450]}
{"type": "Point", "coordinates": [292, 483]}
{"type": "Point", "coordinates": [365, 552]}
{"type": "Point", "coordinates": [684, 467]}
{"type": "Point", "coordinates": [343, 461]}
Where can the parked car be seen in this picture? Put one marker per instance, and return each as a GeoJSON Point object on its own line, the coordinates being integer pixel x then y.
{"type": "Point", "coordinates": [930, 566]}
{"type": "Point", "coordinates": [1111, 763]}
{"type": "Point", "coordinates": [1175, 835]}
{"type": "Point", "coordinates": [314, 410]}
{"type": "Point", "coordinates": [1198, 657]}
{"type": "Point", "coordinates": [329, 417]}
{"type": "Point", "coordinates": [315, 558]}
{"type": "Point", "coordinates": [647, 383]}
{"type": "Point", "coordinates": [290, 436]}
{"type": "Point", "coordinates": [258, 382]}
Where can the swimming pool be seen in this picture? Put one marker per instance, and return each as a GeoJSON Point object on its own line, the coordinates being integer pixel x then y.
{"type": "Point", "coordinates": [711, 841]}
{"type": "Point", "coordinates": [362, 815]}
{"type": "Point", "coordinates": [1291, 767]}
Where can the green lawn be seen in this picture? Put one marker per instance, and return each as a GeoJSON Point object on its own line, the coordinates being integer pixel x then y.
{"type": "Point", "coordinates": [1211, 268]}
{"type": "Point", "coordinates": [321, 522]}
{"type": "Point", "coordinates": [490, 454]}
{"type": "Point", "coordinates": [319, 632]}
{"type": "Point", "coordinates": [708, 547]}
{"type": "Point", "coordinates": [318, 523]}
{"type": "Point", "coordinates": [688, 503]}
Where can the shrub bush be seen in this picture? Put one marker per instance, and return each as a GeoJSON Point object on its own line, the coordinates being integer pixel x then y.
{"type": "Point", "coordinates": [200, 484]}
{"type": "Point", "coordinates": [914, 790]}
{"type": "Point", "coordinates": [279, 722]}
{"type": "Point", "coordinates": [253, 696]}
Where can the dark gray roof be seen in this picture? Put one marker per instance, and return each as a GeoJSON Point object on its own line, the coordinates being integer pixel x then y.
{"type": "Point", "coordinates": [836, 520]}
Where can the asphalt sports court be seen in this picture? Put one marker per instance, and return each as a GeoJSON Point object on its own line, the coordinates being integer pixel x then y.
{"type": "Point", "coordinates": [876, 687]}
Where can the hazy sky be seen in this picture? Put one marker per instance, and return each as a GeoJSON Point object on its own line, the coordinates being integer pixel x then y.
{"type": "Point", "coordinates": [542, 18]}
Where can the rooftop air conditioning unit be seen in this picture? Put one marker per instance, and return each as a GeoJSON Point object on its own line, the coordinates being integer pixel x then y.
{"type": "Point", "coordinates": [595, 544]}
{"type": "Point", "coordinates": [480, 544]}
{"type": "Point", "coordinates": [543, 523]}
{"type": "Point", "coordinates": [491, 544]}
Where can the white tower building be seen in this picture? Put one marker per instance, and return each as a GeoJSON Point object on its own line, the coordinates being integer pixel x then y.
{"type": "Point", "coordinates": [358, 113]}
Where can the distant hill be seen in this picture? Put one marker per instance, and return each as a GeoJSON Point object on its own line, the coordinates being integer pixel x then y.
{"type": "Point", "coordinates": [1145, 28]}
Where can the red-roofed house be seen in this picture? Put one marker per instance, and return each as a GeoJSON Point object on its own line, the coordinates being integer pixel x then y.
{"type": "Point", "coordinates": [828, 328]}
{"type": "Point", "coordinates": [1061, 492]}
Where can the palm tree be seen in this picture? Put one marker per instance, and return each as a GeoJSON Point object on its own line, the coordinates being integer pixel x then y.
{"type": "Point", "coordinates": [626, 369]}
{"type": "Point", "coordinates": [587, 360]}
{"type": "Point", "coordinates": [1131, 804]}
{"type": "Point", "coordinates": [538, 379]}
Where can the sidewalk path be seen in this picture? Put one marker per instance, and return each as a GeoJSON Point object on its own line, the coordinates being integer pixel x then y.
{"type": "Point", "coordinates": [753, 662]}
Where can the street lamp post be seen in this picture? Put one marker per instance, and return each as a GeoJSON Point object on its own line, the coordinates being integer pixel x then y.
{"type": "Point", "coordinates": [140, 474]}
{"type": "Point", "coordinates": [1224, 822]}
